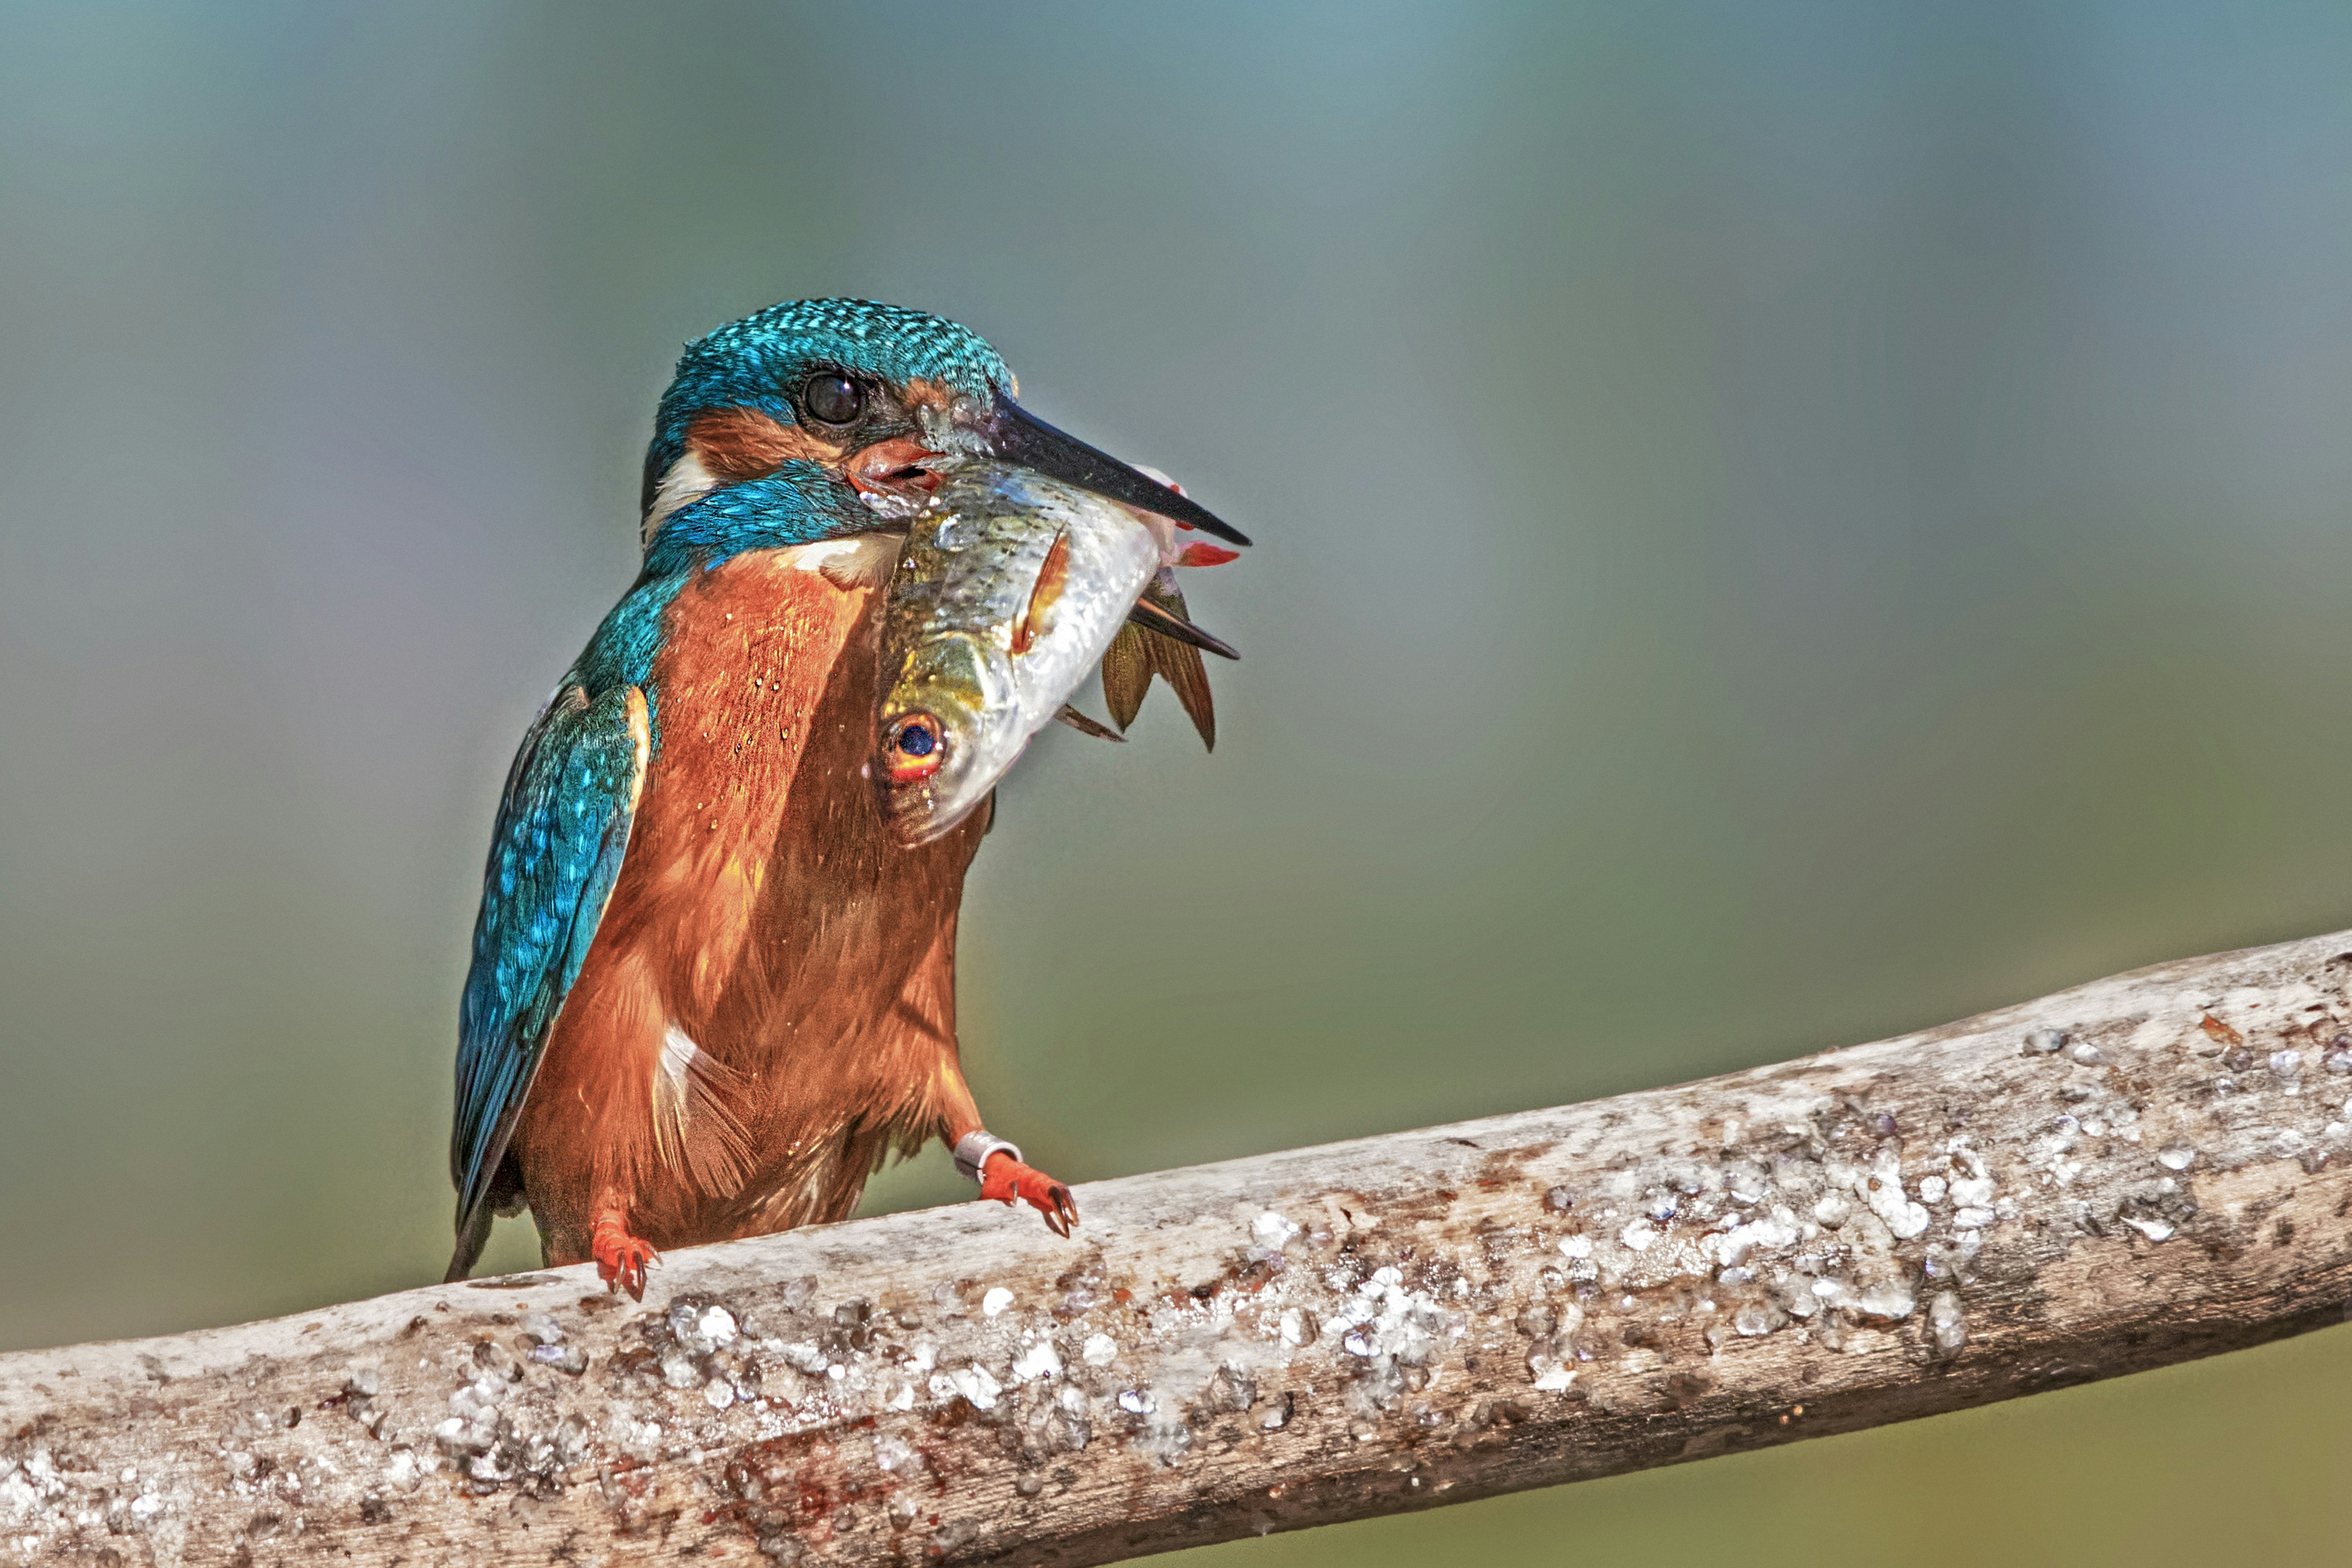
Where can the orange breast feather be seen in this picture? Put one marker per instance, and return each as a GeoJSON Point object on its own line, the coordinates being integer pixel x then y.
{"type": "Point", "coordinates": [769, 1003]}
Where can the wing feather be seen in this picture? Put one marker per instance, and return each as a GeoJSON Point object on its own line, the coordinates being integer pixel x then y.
{"type": "Point", "coordinates": [563, 827]}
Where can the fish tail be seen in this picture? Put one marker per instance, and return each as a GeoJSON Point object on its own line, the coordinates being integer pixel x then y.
{"type": "Point", "coordinates": [1127, 674]}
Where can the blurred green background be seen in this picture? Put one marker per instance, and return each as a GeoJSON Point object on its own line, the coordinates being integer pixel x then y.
{"type": "Point", "coordinates": [1778, 525]}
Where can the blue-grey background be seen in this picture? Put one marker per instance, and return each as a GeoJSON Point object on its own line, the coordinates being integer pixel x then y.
{"type": "Point", "coordinates": [1780, 524]}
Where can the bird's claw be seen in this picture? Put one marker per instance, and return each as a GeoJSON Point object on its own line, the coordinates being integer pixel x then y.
{"type": "Point", "coordinates": [1006, 1179]}
{"type": "Point", "coordinates": [622, 1259]}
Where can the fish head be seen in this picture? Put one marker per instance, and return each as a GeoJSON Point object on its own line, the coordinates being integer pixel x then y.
{"type": "Point", "coordinates": [947, 731]}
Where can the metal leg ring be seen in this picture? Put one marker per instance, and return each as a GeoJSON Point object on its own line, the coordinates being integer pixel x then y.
{"type": "Point", "coordinates": [972, 1149]}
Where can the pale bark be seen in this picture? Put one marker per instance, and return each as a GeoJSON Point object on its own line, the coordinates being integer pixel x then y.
{"type": "Point", "coordinates": [2140, 1170]}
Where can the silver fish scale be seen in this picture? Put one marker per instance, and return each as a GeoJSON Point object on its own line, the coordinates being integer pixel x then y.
{"type": "Point", "coordinates": [964, 582]}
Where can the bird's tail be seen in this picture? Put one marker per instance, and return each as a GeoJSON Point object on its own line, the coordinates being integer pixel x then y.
{"type": "Point", "coordinates": [473, 1235]}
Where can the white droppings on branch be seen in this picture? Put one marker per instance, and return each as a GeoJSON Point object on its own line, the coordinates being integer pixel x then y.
{"type": "Point", "coordinates": [2145, 1169]}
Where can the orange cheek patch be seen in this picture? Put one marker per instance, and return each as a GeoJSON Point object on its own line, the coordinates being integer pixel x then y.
{"type": "Point", "coordinates": [739, 444]}
{"type": "Point", "coordinates": [922, 392]}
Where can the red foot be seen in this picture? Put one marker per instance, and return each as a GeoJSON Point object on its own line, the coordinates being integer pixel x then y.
{"type": "Point", "coordinates": [621, 1258]}
{"type": "Point", "coordinates": [1007, 1178]}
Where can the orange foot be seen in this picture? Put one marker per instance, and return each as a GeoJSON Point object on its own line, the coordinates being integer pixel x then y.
{"type": "Point", "coordinates": [1007, 1178]}
{"type": "Point", "coordinates": [621, 1258]}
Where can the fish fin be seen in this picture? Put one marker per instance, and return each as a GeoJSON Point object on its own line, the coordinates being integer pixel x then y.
{"type": "Point", "coordinates": [1052, 576]}
{"type": "Point", "coordinates": [1159, 618]}
{"type": "Point", "coordinates": [1085, 726]}
{"type": "Point", "coordinates": [1125, 675]}
{"type": "Point", "coordinates": [1179, 664]}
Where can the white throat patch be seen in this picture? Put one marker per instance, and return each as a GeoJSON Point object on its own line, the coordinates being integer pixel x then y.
{"type": "Point", "coordinates": [687, 481]}
{"type": "Point", "coordinates": [860, 561]}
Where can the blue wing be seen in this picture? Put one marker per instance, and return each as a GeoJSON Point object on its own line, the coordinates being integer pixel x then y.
{"type": "Point", "coordinates": [563, 826]}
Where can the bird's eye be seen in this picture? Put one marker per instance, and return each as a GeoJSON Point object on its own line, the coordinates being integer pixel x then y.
{"type": "Point", "coordinates": [832, 399]}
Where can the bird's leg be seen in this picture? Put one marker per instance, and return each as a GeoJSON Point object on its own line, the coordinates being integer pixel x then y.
{"type": "Point", "coordinates": [622, 1258]}
{"type": "Point", "coordinates": [993, 1162]}
{"type": "Point", "coordinates": [997, 1166]}
{"type": "Point", "coordinates": [1007, 1178]}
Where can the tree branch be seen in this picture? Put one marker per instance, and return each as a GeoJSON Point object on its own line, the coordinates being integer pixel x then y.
{"type": "Point", "coordinates": [2137, 1172]}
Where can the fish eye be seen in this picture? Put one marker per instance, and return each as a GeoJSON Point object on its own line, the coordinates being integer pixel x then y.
{"type": "Point", "coordinates": [830, 397]}
{"type": "Point", "coordinates": [913, 749]}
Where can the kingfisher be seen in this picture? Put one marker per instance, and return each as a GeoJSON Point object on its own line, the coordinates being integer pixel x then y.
{"type": "Point", "coordinates": [710, 992]}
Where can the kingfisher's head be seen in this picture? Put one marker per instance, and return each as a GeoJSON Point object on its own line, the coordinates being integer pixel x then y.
{"type": "Point", "coordinates": [842, 406]}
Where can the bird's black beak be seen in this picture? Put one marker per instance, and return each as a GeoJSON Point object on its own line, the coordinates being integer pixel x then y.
{"type": "Point", "coordinates": [1018, 436]}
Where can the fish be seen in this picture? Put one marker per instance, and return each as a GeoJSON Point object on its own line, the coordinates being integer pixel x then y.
{"type": "Point", "coordinates": [1010, 587]}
